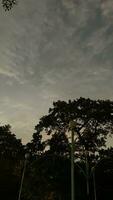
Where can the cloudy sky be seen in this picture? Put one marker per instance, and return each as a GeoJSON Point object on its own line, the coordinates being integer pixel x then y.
{"type": "Point", "coordinates": [50, 50]}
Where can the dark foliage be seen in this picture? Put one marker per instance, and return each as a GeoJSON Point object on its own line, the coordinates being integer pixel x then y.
{"type": "Point", "coordinates": [47, 175]}
{"type": "Point", "coordinates": [8, 4]}
{"type": "Point", "coordinates": [94, 120]}
{"type": "Point", "coordinates": [10, 146]}
{"type": "Point", "coordinates": [11, 164]}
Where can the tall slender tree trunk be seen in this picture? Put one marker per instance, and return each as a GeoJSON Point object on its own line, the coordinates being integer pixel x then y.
{"type": "Point", "coordinates": [87, 177]}
{"type": "Point", "coordinates": [72, 166]}
{"type": "Point", "coordinates": [94, 185]}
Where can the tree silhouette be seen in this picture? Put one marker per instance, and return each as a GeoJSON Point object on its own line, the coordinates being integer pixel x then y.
{"type": "Point", "coordinates": [36, 146]}
{"type": "Point", "coordinates": [94, 119]}
{"type": "Point", "coordinates": [11, 155]}
{"type": "Point", "coordinates": [48, 177]}
{"type": "Point", "coordinates": [10, 146]}
{"type": "Point", "coordinates": [104, 178]}
{"type": "Point", "coordinates": [8, 4]}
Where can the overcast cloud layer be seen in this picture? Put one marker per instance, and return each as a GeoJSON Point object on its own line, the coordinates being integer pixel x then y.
{"type": "Point", "coordinates": [50, 50]}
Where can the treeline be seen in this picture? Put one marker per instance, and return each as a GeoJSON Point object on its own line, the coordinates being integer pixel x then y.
{"type": "Point", "coordinates": [48, 169]}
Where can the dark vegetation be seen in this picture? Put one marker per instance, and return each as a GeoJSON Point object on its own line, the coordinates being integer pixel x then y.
{"type": "Point", "coordinates": [8, 4]}
{"type": "Point", "coordinates": [47, 175]}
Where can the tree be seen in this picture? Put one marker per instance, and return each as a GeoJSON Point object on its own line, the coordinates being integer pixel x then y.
{"type": "Point", "coordinates": [11, 155]}
{"type": "Point", "coordinates": [47, 177]}
{"type": "Point", "coordinates": [104, 178]}
{"type": "Point", "coordinates": [8, 4]}
{"type": "Point", "coordinates": [10, 146]}
{"type": "Point", "coordinates": [36, 146]}
{"type": "Point", "coordinates": [94, 120]}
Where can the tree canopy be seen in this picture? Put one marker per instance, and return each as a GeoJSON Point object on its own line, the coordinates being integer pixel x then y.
{"type": "Point", "coordinates": [93, 118]}
{"type": "Point", "coordinates": [11, 163]}
{"type": "Point", "coordinates": [93, 121]}
{"type": "Point", "coordinates": [47, 174]}
{"type": "Point", "coordinates": [10, 146]}
{"type": "Point", "coordinates": [8, 4]}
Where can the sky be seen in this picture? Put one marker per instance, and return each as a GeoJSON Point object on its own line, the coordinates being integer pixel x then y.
{"type": "Point", "coordinates": [53, 50]}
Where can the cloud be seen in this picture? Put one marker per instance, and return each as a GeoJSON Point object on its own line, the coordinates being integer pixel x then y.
{"type": "Point", "coordinates": [53, 50]}
{"type": "Point", "coordinates": [20, 106]}
{"type": "Point", "coordinates": [19, 115]}
{"type": "Point", "coordinates": [30, 71]}
{"type": "Point", "coordinates": [107, 9]}
{"type": "Point", "coordinates": [13, 104]}
{"type": "Point", "coordinates": [13, 75]}
{"type": "Point", "coordinates": [9, 72]}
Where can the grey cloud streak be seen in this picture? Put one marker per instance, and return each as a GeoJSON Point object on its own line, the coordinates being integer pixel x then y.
{"type": "Point", "coordinates": [50, 50]}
